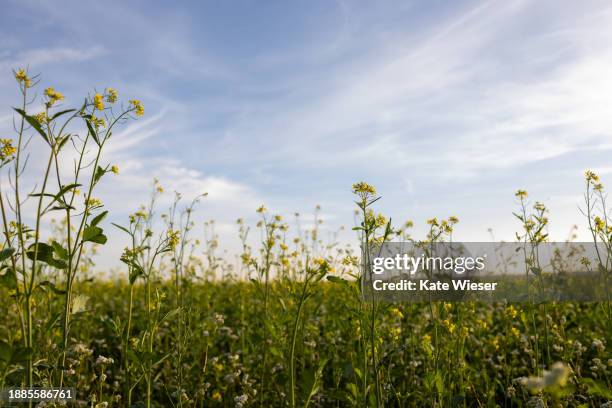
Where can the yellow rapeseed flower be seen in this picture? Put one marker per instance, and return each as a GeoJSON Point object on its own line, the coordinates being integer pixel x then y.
{"type": "Point", "coordinates": [53, 96]}
{"type": "Point", "coordinates": [115, 169]}
{"type": "Point", "coordinates": [450, 326]}
{"type": "Point", "coordinates": [93, 202]}
{"type": "Point", "coordinates": [137, 106]}
{"type": "Point", "coordinates": [111, 95]}
{"type": "Point", "coordinates": [98, 122]}
{"type": "Point", "coordinates": [41, 117]}
{"type": "Point", "coordinates": [98, 101]}
{"type": "Point", "coordinates": [521, 194]}
{"type": "Point", "coordinates": [173, 238]}
{"type": "Point", "coordinates": [511, 311]}
{"type": "Point", "coordinates": [364, 188]}
{"type": "Point", "coordinates": [591, 176]}
{"type": "Point", "coordinates": [22, 77]}
{"type": "Point", "coordinates": [7, 150]}
{"type": "Point", "coordinates": [380, 221]}
{"type": "Point", "coordinates": [600, 224]}
{"type": "Point", "coordinates": [397, 313]}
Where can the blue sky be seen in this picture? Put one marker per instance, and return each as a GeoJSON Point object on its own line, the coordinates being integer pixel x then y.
{"type": "Point", "coordinates": [447, 107]}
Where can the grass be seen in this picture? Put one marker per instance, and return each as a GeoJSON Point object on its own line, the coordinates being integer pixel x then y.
{"type": "Point", "coordinates": [179, 330]}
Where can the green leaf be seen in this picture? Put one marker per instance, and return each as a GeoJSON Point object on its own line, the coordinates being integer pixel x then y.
{"type": "Point", "coordinates": [98, 218]}
{"type": "Point", "coordinates": [99, 173]}
{"type": "Point", "coordinates": [66, 189]}
{"type": "Point", "coordinates": [121, 228]}
{"type": "Point", "coordinates": [6, 253]}
{"type": "Point", "coordinates": [33, 122]}
{"type": "Point", "coordinates": [44, 253]}
{"type": "Point", "coordinates": [58, 197]}
{"type": "Point", "coordinates": [59, 250]}
{"type": "Point", "coordinates": [94, 234]}
{"type": "Point", "coordinates": [337, 279]}
{"type": "Point", "coordinates": [92, 132]}
{"type": "Point", "coordinates": [60, 113]}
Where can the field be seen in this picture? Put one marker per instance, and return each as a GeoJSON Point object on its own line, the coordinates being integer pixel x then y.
{"type": "Point", "coordinates": [283, 325]}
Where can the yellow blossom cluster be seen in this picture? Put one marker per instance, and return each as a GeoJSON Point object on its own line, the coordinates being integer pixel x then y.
{"type": "Point", "coordinates": [41, 117]}
{"type": "Point", "coordinates": [111, 95]}
{"type": "Point", "coordinates": [511, 312]}
{"type": "Point", "coordinates": [22, 77]}
{"type": "Point", "coordinates": [7, 150]}
{"type": "Point", "coordinates": [173, 238]}
{"type": "Point", "coordinates": [53, 96]}
{"type": "Point", "coordinates": [521, 194]}
{"type": "Point", "coordinates": [98, 122]}
{"type": "Point", "coordinates": [98, 101]}
{"type": "Point", "coordinates": [137, 106]}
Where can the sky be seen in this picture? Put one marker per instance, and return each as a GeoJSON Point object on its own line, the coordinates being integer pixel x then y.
{"type": "Point", "coordinates": [446, 107]}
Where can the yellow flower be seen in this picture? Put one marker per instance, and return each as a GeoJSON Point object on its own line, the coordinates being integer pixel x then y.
{"type": "Point", "coordinates": [22, 77]}
{"type": "Point", "coordinates": [7, 150]}
{"type": "Point", "coordinates": [380, 221]}
{"type": "Point", "coordinates": [433, 222]}
{"type": "Point", "coordinates": [538, 206]}
{"type": "Point", "coordinates": [53, 96]}
{"type": "Point", "coordinates": [93, 202]}
{"type": "Point", "coordinates": [137, 106]}
{"type": "Point", "coordinates": [111, 95]}
{"type": "Point", "coordinates": [364, 189]}
{"type": "Point", "coordinates": [515, 332]}
{"type": "Point", "coordinates": [453, 220]}
{"type": "Point", "coordinates": [115, 169]}
{"type": "Point", "coordinates": [600, 224]}
{"type": "Point", "coordinates": [173, 238]}
{"type": "Point", "coordinates": [261, 209]}
{"type": "Point", "coordinates": [98, 101]}
{"type": "Point", "coordinates": [98, 122]}
{"type": "Point", "coordinates": [41, 118]}
{"type": "Point", "coordinates": [397, 313]}
{"type": "Point", "coordinates": [216, 396]}
{"type": "Point", "coordinates": [450, 326]}
{"type": "Point", "coordinates": [521, 194]}
{"type": "Point", "coordinates": [511, 311]}
{"type": "Point", "coordinates": [396, 332]}
{"type": "Point", "coordinates": [591, 177]}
